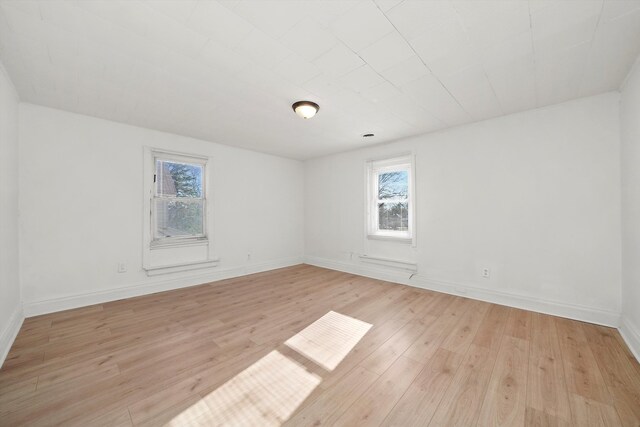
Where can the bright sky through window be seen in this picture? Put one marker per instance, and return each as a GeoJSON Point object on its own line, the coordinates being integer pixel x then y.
{"type": "Point", "coordinates": [390, 193]}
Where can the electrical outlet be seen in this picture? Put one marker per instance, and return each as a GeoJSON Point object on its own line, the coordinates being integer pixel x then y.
{"type": "Point", "coordinates": [122, 267]}
{"type": "Point", "coordinates": [486, 272]}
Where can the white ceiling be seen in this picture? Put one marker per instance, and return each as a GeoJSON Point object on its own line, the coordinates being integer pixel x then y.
{"type": "Point", "coordinates": [228, 71]}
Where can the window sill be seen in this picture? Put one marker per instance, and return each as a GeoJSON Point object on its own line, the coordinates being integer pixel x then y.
{"type": "Point", "coordinates": [397, 239]}
{"type": "Point", "coordinates": [175, 268]}
{"type": "Point", "coordinates": [180, 242]}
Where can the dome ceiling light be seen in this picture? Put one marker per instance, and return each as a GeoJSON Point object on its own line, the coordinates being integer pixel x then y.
{"type": "Point", "coordinates": [305, 109]}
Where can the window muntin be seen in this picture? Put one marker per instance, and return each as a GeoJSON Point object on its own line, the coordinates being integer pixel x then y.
{"type": "Point", "coordinates": [390, 198]}
{"type": "Point", "coordinates": [178, 205]}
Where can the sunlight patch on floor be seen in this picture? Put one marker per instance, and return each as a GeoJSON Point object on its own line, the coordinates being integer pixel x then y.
{"type": "Point", "coordinates": [191, 416]}
{"type": "Point", "coordinates": [329, 339]}
{"type": "Point", "coordinates": [268, 392]}
{"type": "Point", "coordinates": [264, 394]}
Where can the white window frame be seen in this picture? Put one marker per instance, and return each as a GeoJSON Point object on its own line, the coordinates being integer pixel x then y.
{"type": "Point", "coordinates": [374, 168]}
{"type": "Point", "coordinates": [178, 240]}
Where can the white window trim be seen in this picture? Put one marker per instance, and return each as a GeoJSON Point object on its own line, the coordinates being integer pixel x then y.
{"type": "Point", "coordinates": [160, 257]}
{"type": "Point", "coordinates": [151, 154]}
{"type": "Point", "coordinates": [373, 168]}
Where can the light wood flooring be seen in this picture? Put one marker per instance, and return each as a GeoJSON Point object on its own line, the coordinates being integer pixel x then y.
{"type": "Point", "coordinates": [202, 355]}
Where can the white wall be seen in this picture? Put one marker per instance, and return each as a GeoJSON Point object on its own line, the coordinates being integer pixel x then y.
{"type": "Point", "coordinates": [534, 196]}
{"type": "Point", "coordinates": [10, 306]}
{"type": "Point", "coordinates": [630, 156]}
{"type": "Point", "coordinates": [81, 201]}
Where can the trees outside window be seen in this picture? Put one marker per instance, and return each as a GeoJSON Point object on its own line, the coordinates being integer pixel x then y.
{"type": "Point", "coordinates": [179, 203]}
{"type": "Point", "coordinates": [390, 206]}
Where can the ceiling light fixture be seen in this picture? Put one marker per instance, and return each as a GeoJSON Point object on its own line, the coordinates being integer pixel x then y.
{"type": "Point", "coordinates": [305, 109]}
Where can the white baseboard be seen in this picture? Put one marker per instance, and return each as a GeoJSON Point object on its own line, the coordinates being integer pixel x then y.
{"type": "Point", "coordinates": [35, 308]}
{"type": "Point", "coordinates": [631, 336]}
{"type": "Point", "coordinates": [555, 308]}
{"type": "Point", "coordinates": [10, 332]}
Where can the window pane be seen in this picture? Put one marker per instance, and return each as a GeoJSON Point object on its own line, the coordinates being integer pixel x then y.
{"type": "Point", "coordinates": [177, 218]}
{"type": "Point", "coordinates": [393, 216]}
{"type": "Point", "coordinates": [393, 184]}
{"type": "Point", "coordinates": [176, 179]}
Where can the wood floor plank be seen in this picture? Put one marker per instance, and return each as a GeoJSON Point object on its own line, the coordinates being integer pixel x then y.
{"type": "Point", "coordinates": [546, 384]}
{"type": "Point", "coordinates": [17, 390]}
{"type": "Point", "coordinates": [204, 381]}
{"type": "Point", "coordinates": [505, 398]}
{"type": "Point", "coordinates": [384, 356]}
{"type": "Point", "coordinates": [327, 406]}
{"type": "Point", "coordinates": [490, 330]}
{"type": "Point", "coordinates": [117, 418]}
{"type": "Point", "coordinates": [580, 368]}
{"type": "Point", "coordinates": [536, 418]}
{"type": "Point", "coordinates": [465, 330]}
{"type": "Point", "coordinates": [31, 340]}
{"type": "Point", "coordinates": [518, 324]}
{"type": "Point", "coordinates": [393, 316]}
{"type": "Point", "coordinates": [461, 404]}
{"type": "Point", "coordinates": [619, 375]}
{"type": "Point", "coordinates": [373, 406]}
{"type": "Point", "coordinates": [427, 359]}
{"type": "Point", "coordinates": [419, 403]}
{"type": "Point", "coordinates": [433, 334]}
{"type": "Point", "coordinates": [591, 413]}
{"type": "Point", "coordinates": [23, 359]}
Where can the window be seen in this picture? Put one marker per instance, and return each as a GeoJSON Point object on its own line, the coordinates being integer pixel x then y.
{"type": "Point", "coordinates": [390, 199]}
{"type": "Point", "coordinates": [178, 205]}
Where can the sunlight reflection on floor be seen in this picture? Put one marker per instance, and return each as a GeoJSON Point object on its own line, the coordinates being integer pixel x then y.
{"type": "Point", "coordinates": [192, 416]}
{"type": "Point", "coordinates": [329, 339]}
{"type": "Point", "coordinates": [264, 394]}
{"type": "Point", "coordinates": [268, 392]}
